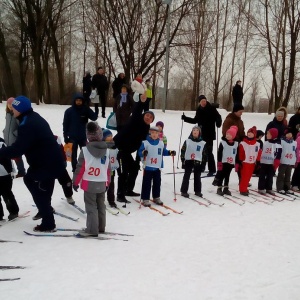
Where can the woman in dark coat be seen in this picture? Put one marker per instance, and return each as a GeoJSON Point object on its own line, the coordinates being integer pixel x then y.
{"type": "Point", "coordinates": [207, 118]}
{"type": "Point", "coordinates": [278, 122]}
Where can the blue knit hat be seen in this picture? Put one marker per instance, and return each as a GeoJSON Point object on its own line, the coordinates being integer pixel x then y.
{"type": "Point", "coordinates": [21, 104]}
{"type": "Point", "coordinates": [106, 133]}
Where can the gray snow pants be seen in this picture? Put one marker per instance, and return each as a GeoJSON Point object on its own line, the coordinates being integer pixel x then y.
{"type": "Point", "coordinates": [283, 181]}
{"type": "Point", "coordinates": [96, 214]}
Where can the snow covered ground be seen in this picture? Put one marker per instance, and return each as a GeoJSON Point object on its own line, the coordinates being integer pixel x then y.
{"type": "Point", "coordinates": [233, 252]}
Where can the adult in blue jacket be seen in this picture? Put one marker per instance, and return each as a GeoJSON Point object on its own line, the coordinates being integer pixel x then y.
{"type": "Point", "coordinates": [74, 125]}
{"type": "Point", "coordinates": [46, 163]}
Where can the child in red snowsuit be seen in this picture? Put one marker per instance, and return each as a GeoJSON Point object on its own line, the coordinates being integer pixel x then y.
{"type": "Point", "coordinates": [249, 152]}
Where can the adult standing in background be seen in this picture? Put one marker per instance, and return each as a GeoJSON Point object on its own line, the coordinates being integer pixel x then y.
{"type": "Point", "coordinates": [74, 125]}
{"type": "Point", "coordinates": [100, 82]}
{"type": "Point", "coordinates": [46, 163]}
{"type": "Point", "coordinates": [237, 93]}
{"type": "Point", "coordinates": [207, 117]}
{"type": "Point", "coordinates": [10, 133]}
{"type": "Point", "coordinates": [148, 94]}
{"type": "Point", "coordinates": [87, 87]}
{"type": "Point", "coordinates": [279, 122]}
{"type": "Point", "coordinates": [138, 87]}
{"type": "Point", "coordinates": [117, 85]}
{"type": "Point", "coordinates": [294, 123]}
{"type": "Point", "coordinates": [234, 119]}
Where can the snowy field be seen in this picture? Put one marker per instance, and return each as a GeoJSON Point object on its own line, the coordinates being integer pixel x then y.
{"type": "Point", "coordinates": [233, 252]}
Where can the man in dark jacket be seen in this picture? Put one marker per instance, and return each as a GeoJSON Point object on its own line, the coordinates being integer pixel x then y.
{"type": "Point", "coordinates": [207, 118]}
{"type": "Point", "coordinates": [74, 125]}
{"type": "Point", "coordinates": [294, 123]}
{"type": "Point", "coordinates": [100, 82]}
{"type": "Point", "coordinates": [128, 140]}
{"type": "Point", "coordinates": [36, 141]}
{"type": "Point", "coordinates": [87, 87]}
{"type": "Point", "coordinates": [237, 93]}
{"type": "Point", "coordinates": [117, 84]}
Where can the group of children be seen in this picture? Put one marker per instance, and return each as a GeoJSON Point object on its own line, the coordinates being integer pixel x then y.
{"type": "Point", "coordinates": [98, 161]}
{"type": "Point", "coordinates": [252, 155]}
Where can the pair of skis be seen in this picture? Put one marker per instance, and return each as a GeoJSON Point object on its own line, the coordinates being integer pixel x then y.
{"type": "Point", "coordinates": [50, 234]}
{"type": "Point", "coordinates": [158, 210]}
{"type": "Point", "coordinates": [207, 202]}
{"type": "Point", "coordinates": [20, 216]}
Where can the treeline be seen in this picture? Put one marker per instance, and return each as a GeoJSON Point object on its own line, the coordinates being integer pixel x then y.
{"type": "Point", "coordinates": [46, 46]}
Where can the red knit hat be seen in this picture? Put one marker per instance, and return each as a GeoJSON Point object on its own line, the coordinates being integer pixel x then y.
{"type": "Point", "coordinates": [232, 131]}
{"type": "Point", "coordinates": [253, 130]}
{"type": "Point", "coordinates": [273, 132]}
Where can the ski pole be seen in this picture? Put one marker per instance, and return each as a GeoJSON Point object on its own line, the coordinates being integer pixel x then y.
{"type": "Point", "coordinates": [174, 178]}
{"type": "Point", "coordinates": [121, 173]}
{"type": "Point", "coordinates": [179, 142]}
{"type": "Point", "coordinates": [144, 165]}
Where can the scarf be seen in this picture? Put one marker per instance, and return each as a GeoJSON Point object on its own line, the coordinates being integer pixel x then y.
{"type": "Point", "coordinates": [139, 80]}
{"type": "Point", "coordinates": [123, 98]}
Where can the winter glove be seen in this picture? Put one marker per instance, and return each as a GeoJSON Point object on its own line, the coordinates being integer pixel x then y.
{"type": "Point", "coordinates": [75, 187]}
{"type": "Point", "coordinates": [183, 164]}
{"type": "Point", "coordinates": [220, 166]}
{"type": "Point", "coordinates": [237, 167]}
{"type": "Point", "coordinates": [172, 152]}
{"type": "Point", "coordinates": [145, 153]}
{"type": "Point", "coordinates": [183, 117]}
{"type": "Point", "coordinates": [67, 140]}
{"type": "Point", "coordinates": [276, 164]}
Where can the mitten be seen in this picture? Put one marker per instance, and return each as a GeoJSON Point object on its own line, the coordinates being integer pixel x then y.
{"type": "Point", "coordinates": [220, 166]}
{"type": "Point", "coordinates": [183, 164]}
{"type": "Point", "coordinates": [183, 117]}
{"type": "Point", "coordinates": [75, 188]}
{"type": "Point", "coordinates": [237, 167]}
{"type": "Point", "coordinates": [172, 152]}
{"type": "Point", "coordinates": [145, 153]}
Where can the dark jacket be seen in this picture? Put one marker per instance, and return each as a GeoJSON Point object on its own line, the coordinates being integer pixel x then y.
{"type": "Point", "coordinates": [75, 120]}
{"type": "Point", "coordinates": [294, 123]}
{"type": "Point", "coordinates": [117, 85]}
{"type": "Point", "coordinates": [280, 126]}
{"type": "Point", "coordinates": [100, 83]}
{"type": "Point", "coordinates": [233, 119]}
{"type": "Point", "coordinates": [87, 85]}
{"type": "Point", "coordinates": [207, 118]}
{"type": "Point", "coordinates": [36, 141]}
{"type": "Point", "coordinates": [134, 132]}
{"type": "Point", "coordinates": [237, 94]}
{"type": "Point", "coordinates": [5, 162]}
{"type": "Point", "coordinates": [123, 112]}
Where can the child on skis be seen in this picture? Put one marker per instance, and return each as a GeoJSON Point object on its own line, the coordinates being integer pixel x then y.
{"type": "Point", "coordinates": [248, 153]}
{"type": "Point", "coordinates": [226, 159]}
{"type": "Point", "coordinates": [160, 125]}
{"type": "Point", "coordinates": [114, 165]}
{"type": "Point", "coordinates": [192, 154]}
{"type": "Point", "coordinates": [6, 181]}
{"type": "Point", "coordinates": [92, 172]}
{"type": "Point", "coordinates": [259, 135]}
{"type": "Point", "coordinates": [287, 162]}
{"type": "Point", "coordinates": [269, 161]}
{"type": "Point", "coordinates": [296, 174]}
{"type": "Point", "coordinates": [152, 151]}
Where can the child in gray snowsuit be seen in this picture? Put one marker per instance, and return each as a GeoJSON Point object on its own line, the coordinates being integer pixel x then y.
{"type": "Point", "coordinates": [93, 174]}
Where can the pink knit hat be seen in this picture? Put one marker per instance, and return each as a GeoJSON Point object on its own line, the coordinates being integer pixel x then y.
{"type": "Point", "coordinates": [10, 100]}
{"type": "Point", "coordinates": [232, 131]}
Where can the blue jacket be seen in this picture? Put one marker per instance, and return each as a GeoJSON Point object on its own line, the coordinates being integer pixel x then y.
{"type": "Point", "coordinates": [36, 141]}
{"type": "Point", "coordinates": [75, 120]}
{"type": "Point", "coordinates": [152, 142]}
